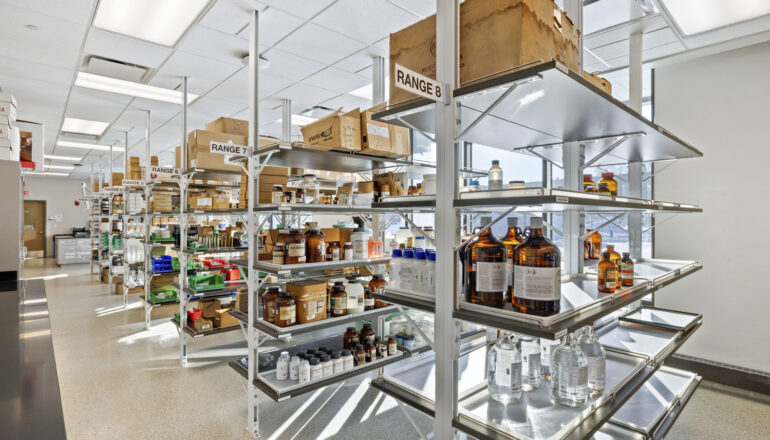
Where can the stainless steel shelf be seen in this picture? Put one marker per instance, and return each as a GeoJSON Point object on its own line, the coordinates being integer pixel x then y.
{"type": "Point", "coordinates": [426, 202]}
{"type": "Point", "coordinates": [557, 200]}
{"type": "Point", "coordinates": [324, 209]}
{"type": "Point", "coordinates": [274, 331]}
{"type": "Point", "coordinates": [292, 155]}
{"type": "Point", "coordinates": [655, 406]}
{"type": "Point", "coordinates": [229, 290]}
{"type": "Point", "coordinates": [550, 105]}
{"type": "Point", "coordinates": [663, 318]}
{"type": "Point", "coordinates": [198, 212]}
{"type": "Point", "coordinates": [214, 331]}
{"type": "Point", "coordinates": [406, 298]}
{"type": "Point", "coordinates": [220, 250]}
{"type": "Point", "coordinates": [281, 269]}
{"type": "Point", "coordinates": [581, 304]}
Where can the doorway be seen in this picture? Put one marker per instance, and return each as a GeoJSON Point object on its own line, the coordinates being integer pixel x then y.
{"type": "Point", "coordinates": [34, 228]}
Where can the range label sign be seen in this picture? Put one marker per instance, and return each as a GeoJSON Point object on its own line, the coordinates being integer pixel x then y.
{"type": "Point", "coordinates": [229, 149]}
{"type": "Point", "coordinates": [421, 85]}
{"type": "Point", "coordinates": [156, 172]}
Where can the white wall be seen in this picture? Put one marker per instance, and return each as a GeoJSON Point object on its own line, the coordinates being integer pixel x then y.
{"type": "Point", "coordinates": [720, 105]}
{"type": "Point", "coordinates": [60, 195]}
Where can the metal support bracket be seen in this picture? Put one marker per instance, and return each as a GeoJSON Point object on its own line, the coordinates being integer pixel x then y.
{"type": "Point", "coordinates": [491, 107]}
{"type": "Point", "coordinates": [607, 222]}
{"type": "Point", "coordinates": [417, 328]}
{"type": "Point", "coordinates": [414, 226]}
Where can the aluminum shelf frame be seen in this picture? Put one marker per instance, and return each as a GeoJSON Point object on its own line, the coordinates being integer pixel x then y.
{"type": "Point", "coordinates": [550, 105]}
{"type": "Point", "coordinates": [195, 295]}
{"type": "Point", "coordinates": [281, 269]}
{"type": "Point", "coordinates": [663, 318]}
{"type": "Point", "coordinates": [214, 331]}
{"type": "Point", "coordinates": [221, 250]}
{"type": "Point", "coordinates": [319, 209]}
{"type": "Point", "coordinates": [558, 200]}
{"type": "Point", "coordinates": [646, 340]}
{"type": "Point", "coordinates": [407, 298]}
{"type": "Point", "coordinates": [427, 202]}
{"type": "Point", "coordinates": [582, 304]}
{"type": "Point", "coordinates": [276, 332]}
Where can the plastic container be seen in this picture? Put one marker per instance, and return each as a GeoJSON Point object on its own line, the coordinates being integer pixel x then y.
{"type": "Point", "coordinates": [360, 241]}
{"type": "Point", "coordinates": [429, 275]}
{"type": "Point", "coordinates": [304, 371]}
{"type": "Point", "coordinates": [206, 282]}
{"type": "Point", "coordinates": [282, 366]}
{"type": "Point", "coordinates": [429, 184]}
{"type": "Point", "coordinates": [355, 291]}
{"type": "Point", "coordinates": [405, 273]}
{"type": "Point", "coordinates": [419, 242]}
{"type": "Point", "coordinates": [294, 368]}
{"type": "Point", "coordinates": [395, 268]}
{"type": "Point", "coordinates": [347, 360]}
{"type": "Point", "coordinates": [418, 270]}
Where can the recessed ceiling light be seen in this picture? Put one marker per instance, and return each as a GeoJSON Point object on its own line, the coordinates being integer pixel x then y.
{"type": "Point", "coordinates": [157, 21]}
{"type": "Point", "coordinates": [696, 16]}
{"type": "Point", "coordinates": [59, 167]}
{"type": "Point", "coordinates": [88, 146]}
{"type": "Point", "coordinates": [84, 126]}
{"type": "Point", "coordinates": [137, 90]}
{"type": "Point", "coordinates": [45, 173]}
{"type": "Point", "coordinates": [68, 158]}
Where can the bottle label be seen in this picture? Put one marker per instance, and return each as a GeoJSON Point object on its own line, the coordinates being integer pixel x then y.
{"type": "Point", "coordinates": [392, 349]}
{"type": "Point", "coordinates": [538, 283]}
{"type": "Point", "coordinates": [361, 248]}
{"type": "Point", "coordinates": [335, 255]}
{"type": "Point", "coordinates": [368, 302]}
{"type": "Point", "coordinates": [572, 382]}
{"type": "Point", "coordinates": [296, 250]}
{"type": "Point", "coordinates": [627, 271]}
{"type": "Point", "coordinates": [596, 373]}
{"type": "Point", "coordinates": [339, 304]}
{"type": "Point", "coordinates": [282, 370]}
{"type": "Point", "coordinates": [279, 256]}
{"type": "Point", "coordinates": [490, 277]}
{"type": "Point", "coordinates": [609, 279]}
{"type": "Point", "coordinates": [509, 271]}
{"type": "Point", "coordinates": [503, 367]}
{"type": "Point", "coordinates": [530, 366]}
{"type": "Point", "coordinates": [287, 313]}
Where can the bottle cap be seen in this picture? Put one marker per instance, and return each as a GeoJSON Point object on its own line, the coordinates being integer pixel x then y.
{"type": "Point", "coordinates": [346, 352]}
{"type": "Point", "coordinates": [587, 176]}
{"type": "Point", "coordinates": [608, 175]}
{"type": "Point", "coordinates": [396, 253]}
{"type": "Point", "coordinates": [606, 255]}
{"type": "Point", "coordinates": [610, 247]}
{"type": "Point", "coordinates": [300, 353]}
{"type": "Point", "coordinates": [485, 220]}
{"type": "Point", "coordinates": [495, 163]}
{"type": "Point", "coordinates": [284, 353]}
{"type": "Point", "coordinates": [367, 325]}
{"type": "Point", "coordinates": [419, 255]}
{"type": "Point", "coordinates": [325, 358]}
{"type": "Point", "coordinates": [339, 283]}
{"type": "Point", "coordinates": [432, 256]}
{"type": "Point", "coordinates": [626, 255]}
{"type": "Point", "coordinates": [315, 361]}
{"type": "Point", "coordinates": [336, 355]}
{"type": "Point", "coordinates": [536, 222]}
{"type": "Point", "coordinates": [409, 253]}
{"type": "Point", "coordinates": [513, 222]}
{"type": "Point", "coordinates": [321, 348]}
{"type": "Point", "coordinates": [311, 351]}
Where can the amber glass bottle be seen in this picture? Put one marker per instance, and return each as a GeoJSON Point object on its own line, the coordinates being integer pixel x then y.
{"type": "Point", "coordinates": [315, 244]}
{"type": "Point", "coordinates": [486, 281]}
{"type": "Point", "coordinates": [588, 183]}
{"type": "Point", "coordinates": [615, 258]}
{"type": "Point", "coordinates": [349, 337]}
{"type": "Point", "coordinates": [595, 243]}
{"type": "Point", "coordinates": [512, 239]}
{"type": "Point", "coordinates": [285, 310]}
{"type": "Point", "coordinates": [607, 274]}
{"type": "Point", "coordinates": [612, 184]}
{"type": "Point", "coordinates": [627, 270]}
{"type": "Point", "coordinates": [295, 247]}
{"type": "Point", "coordinates": [536, 278]}
{"type": "Point", "coordinates": [268, 304]}
{"type": "Point", "coordinates": [339, 299]}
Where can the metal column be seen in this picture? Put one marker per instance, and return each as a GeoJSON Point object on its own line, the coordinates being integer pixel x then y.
{"type": "Point", "coordinates": [253, 408]}
{"type": "Point", "coordinates": [573, 158]}
{"type": "Point", "coordinates": [378, 83]}
{"type": "Point", "coordinates": [285, 121]}
{"type": "Point", "coordinates": [447, 21]}
{"type": "Point", "coordinates": [635, 73]}
{"type": "Point", "coordinates": [183, 223]}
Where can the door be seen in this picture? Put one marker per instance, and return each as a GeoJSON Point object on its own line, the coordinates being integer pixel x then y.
{"type": "Point", "coordinates": [34, 228]}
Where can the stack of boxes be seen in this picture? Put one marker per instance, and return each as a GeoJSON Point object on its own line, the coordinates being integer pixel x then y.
{"type": "Point", "coordinates": [135, 203]}
{"type": "Point", "coordinates": [9, 134]}
{"type": "Point", "coordinates": [208, 200]}
{"type": "Point", "coordinates": [134, 168]}
{"type": "Point", "coordinates": [162, 202]}
{"type": "Point", "coordinates": [268, 178]}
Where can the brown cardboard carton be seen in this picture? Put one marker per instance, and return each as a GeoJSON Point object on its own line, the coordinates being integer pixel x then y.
{"type": "Point", "coordinates": [223, 318]}
{"type": "Point", "coordinates": [117, 179]}
{"type": "Point", "coordinates": [599, 82]}
{"type": "Point", "coordinates": [229, 125]}
{"type": "Point", "coordinates": [203, 325]}
{"type": "Point", "coordinates": [272, 180]}
{"type": "Point", "coordinates": [221, 204]}
{"type": "Point", "coordinates": [266, 196]}
{"type": "Point", "coordinates": [209, 307]}
{"type": "Point", "coordinates": [310, 296]}
{"type": "Point", "coordinates": [400, 141]}
{"type": "Point", "coordinates": [242, 302]}
{"type": "Point", "coordinates": [495, 37]}
{"type": "Point", "coordinates": [200, 156]}
{"type": "Point", "coordinates": [375, 135]}
{"type": "Point", "coordinates": [334, 132]}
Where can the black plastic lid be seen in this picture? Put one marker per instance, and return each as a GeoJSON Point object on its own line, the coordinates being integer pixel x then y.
{"type": "Point", "coordinates": [301, 353]}
{"type": "Point", "coordinates": [626, 255]}
{"type": "Point", "coordinates": [325, 357]}
{"type": "Point", "coordinates": [351, 329]}
{"type": "Point", "coordinates": [339, 283]}
{"type": "Point", "coordinates": [495, 162]}
{"type": "Point", "coordinates": [345, 352]}
{"type": "Point", "coordinates": [606, 255]}
{"type": "Point", "coordinates": [311, 351]}
{"type": "Point", "coordinates": [315, 361]}
{"type": "Point", "coordinates": [273, 289]}
{"type": "Point", "coordinates": [335, 355]}
{"type": "Point", "coordinates": [321, 348]}
{"type": "Point", "coordinates": [367, 325]}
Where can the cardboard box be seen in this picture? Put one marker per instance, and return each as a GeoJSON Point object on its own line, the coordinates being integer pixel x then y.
{"type": "Point", "coordinates": [209, 307]}
{"type": "Point", "coordinates": [230, 126]}
{"type": "Point", "coordinates": [242, 302]}
{"type": "Point", "coordinates": [117, 179]}
{"type": "Point", "coordinates": [400, 141]}
{"type": "Point", "coordinates": [334, 132]}
{"type": "Point", "coordinates": [119, 289]}
{"type": "Point", "coordinates": [220, 204]}
{"type": "Point", "coordinates": [496, 36]}
{"type": "Point", "coordinates": [200, 156]}
{"type": "Point", "coordinates": [223, 318]}
{"type": "Point", "coordinates": [375, 135]}
{"type": "Point", "coordinates": [599, 82]}
{"type": "Point", "coordinates": [270, 170]}
{"type": "Point", "coordinates": [310, 296]}
{"type": "Point", "coordinates": [203, 325]}
{"type": "Point", "coordinates": [265, 196]}
{"type": "Point", "coordinates": [272, 180]}
{"type": "Point", "coordinates": [198, 203]}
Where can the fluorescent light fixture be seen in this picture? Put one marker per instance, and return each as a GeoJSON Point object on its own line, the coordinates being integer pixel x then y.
{"type": "Point", "coordinates": [157, 21]}
{"type": "Point", "coordinates": [58, 167]}
{"type": "Point", "coordinates": [137, 90]}
{"type": "Point", "coordinates": [66, 158]}
{"type": "Point", "coordinates": [88, 146]}
{"type": "Point", "coordinates": [84, 126]}
{"type": "Point", "coordinates": [45, 173]}
{"type": "Point", "coordinates": [696, 16]}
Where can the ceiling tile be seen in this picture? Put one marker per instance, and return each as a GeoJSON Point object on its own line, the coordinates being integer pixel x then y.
{"type": "Point", "coordinates": [274, 24]}
{"type": "Point", "coordinates": [337, 80]}
{"type": "Point", "coordinates": [196, 67]}
{"type": "Point", "coordinates": [304, 95]}
{"type": "Point", "coordinates": [31, 70]}
{"type": "Point", "coordinates": [121, 48]}
{"type": "Point", "coordinates": [347, 102]}
{"type": "Point", "coordinates": [236, 88]}
{"type": "Point", "coordinates": [365, 20]}
{"type": "Point", "coordinates": [197, 86]}
{"type": "Point", "coordinates": [420, 8]}
{"type": "Point", "coordinates": [300, 8]}
{"type": "Point", "coordinates": [287, 65]}
{"type": "Point", "coordinates": [55, 42]}
{"type": "Point", "coordinates": [320, 44]}
{"type": "Point", "coordinates": [230, 16]}
{"type": "Point", "coordinates": [210, 43]}
{"type": "Point", "coordinates": [94, 105]}
{"type": "Point", "coordinates": [76, 11]}
{"type": "Point", "coordinates": [214, 108]}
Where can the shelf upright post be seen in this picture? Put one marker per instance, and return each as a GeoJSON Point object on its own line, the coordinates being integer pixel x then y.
{"type": "Point", "coordinates": [91, 256]}
{"type": "Point", "coordinates": [635, 72]}
{"type": "Point", "coordinates": [447, 22]}
{"type": "Point", "coordinates": [252, 343]}
{"type": "Point", "coordinates": [378, 97]}
{"type": "Point", "coordinates": [573, 158]}
{"type": "Point", "coordinates": [183, 220]}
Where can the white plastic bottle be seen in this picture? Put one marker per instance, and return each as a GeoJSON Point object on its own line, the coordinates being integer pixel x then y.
{"type": "Point", "coordinates": [405, 274]}
{"type": "Point", "coordinates": [429, 275]}
{"type": "Point", "coordinates": [282, 366]}
{"type": "Point", "coordinates": [304, 371]}
{"type": "Point", "coordinates": [355, 291]}
{"type": "Point", "coordinates": [395, 269]}
{"type": "Point", "coordinates": [418, 270]}
{"type": "Point", "coordinates": [294, 368]}
{"type": "Point", "coordinates": [360, 240]}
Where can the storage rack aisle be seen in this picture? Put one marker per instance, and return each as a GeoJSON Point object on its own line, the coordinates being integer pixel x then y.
{"type": "Point", "coordinates": [559, 130]}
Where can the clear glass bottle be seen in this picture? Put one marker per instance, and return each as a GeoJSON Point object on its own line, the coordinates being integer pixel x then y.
{"type": "Point", "coordinates": [606, 274]}
{"type": "Point", "coordinates": [485, 265]}
{"type": "Point", "coordinates": [536, 277]}
{"type": "Point", "coordinates": [512, 239]}
{"type": "Point", "coordinates": [627, 270]}
{"type": "Point", "coordinates": [310, 187]}
{"type": "Point", "coordinates": [495, 179]}
{"type": "Point", "coordinates": [529, 347]}
{"type": "Point", "coordinates": [615, 258]}
{"type": "Point", "coordinates": [546, 350]}
{"type": "Point", "coordinates": [597, 359]}
{"type": "Point", "coordinates": [569, 372]}
{"type": "Point", "coordinates": [504, 371]}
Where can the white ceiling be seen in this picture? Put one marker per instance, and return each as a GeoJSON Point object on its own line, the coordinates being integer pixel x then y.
{"type": "Point", "coordinates": [319, 51]}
